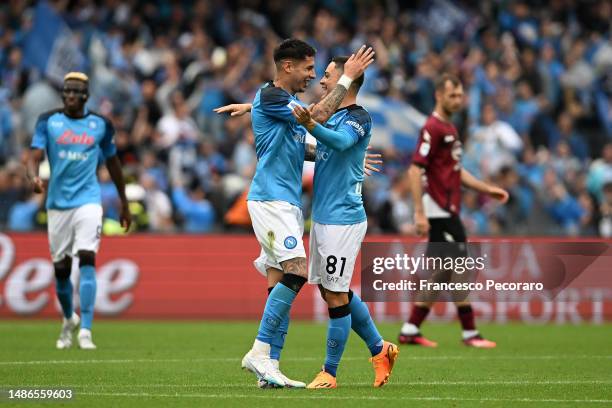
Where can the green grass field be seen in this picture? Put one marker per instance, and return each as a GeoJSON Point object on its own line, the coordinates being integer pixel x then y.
{"type": "Point", "coordinates": [163, 364]}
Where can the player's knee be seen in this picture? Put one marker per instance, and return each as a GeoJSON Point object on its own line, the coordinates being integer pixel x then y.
{"type": "Point", "coordinates": [295, 266]}
{"type": "Point", "coordinates": [336, 299]}
{"type": "Point", "coordinates": [424, 304]}
{"type": "Point", "coordinates": [63, 268]}
{"type": "Point", "coordinates": [337, 312]}
{"type": "Point", "coordinates": [87, 258]}
{"type": "Point", "coordinates": [293, 282]}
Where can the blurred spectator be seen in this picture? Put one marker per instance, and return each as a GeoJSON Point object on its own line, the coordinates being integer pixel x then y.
{"type": "Point", "coordinates": [493, 145]}
{"type": "Point", "coordinates": [159, 207]}
{"type": "Point", "coordinates": [472, 214]}
{"type": "Point", "coordinates": [197, 212]}
{"type": "Point", "coordinates": [605, 223]}
{"type": "Point", "coordinates": [22, 216]}
{"type": "Point", "coordinates": [565, 131]}
{"type": "Point", "coordinates": [177, 125]}
{"type": "Point", "coordinates": [395, 215]}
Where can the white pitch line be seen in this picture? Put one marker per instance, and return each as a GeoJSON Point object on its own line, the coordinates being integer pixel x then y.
{"type": "Point", "coordinates": [350, 384]}
{"type": "Point", "coordinates": [339, 397]}
{"type": "Point", "coordinates": [298, 359]}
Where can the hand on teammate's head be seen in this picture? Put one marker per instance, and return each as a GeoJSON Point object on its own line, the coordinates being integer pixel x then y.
{"type": "Point", "coordinates": [357, 63]}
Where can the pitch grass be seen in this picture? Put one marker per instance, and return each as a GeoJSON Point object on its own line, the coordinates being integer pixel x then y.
{"type": "Point", "coordinates": [164, 364]}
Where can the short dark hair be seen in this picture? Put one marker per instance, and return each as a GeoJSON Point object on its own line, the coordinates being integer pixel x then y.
{"type": "Point", "coordinates": [293, 48]}
{"type": "Point", "coordinates": [340, 61]}
{"type": "Point", "coordinates": [441, 81]}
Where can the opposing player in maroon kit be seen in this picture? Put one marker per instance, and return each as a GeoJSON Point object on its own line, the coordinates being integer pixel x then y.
{"type": "Point", "coordinates": [438, 156]}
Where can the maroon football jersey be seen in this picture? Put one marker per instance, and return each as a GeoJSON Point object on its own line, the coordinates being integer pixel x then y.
{"type": "Point", "coordinates": [438, 151]}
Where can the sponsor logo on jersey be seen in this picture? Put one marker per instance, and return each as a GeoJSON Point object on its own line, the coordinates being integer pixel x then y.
{"type": "Point", "coordinates": [299, 137]}
{"type": "Point", "coordinates": [71, 155]}
{"type": "Point", "coordinates": [356, 126]}
{"type": "Point", "coordinates": [290, 242]}
{"type": "Point", "coordinates": [322, 155]}
{"type": "Point", "coordinates": [69, 137]}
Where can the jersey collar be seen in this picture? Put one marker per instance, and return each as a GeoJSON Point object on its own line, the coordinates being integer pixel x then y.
{"type": "Point", "coordinates": [348, 108]}
{"type": "Point", "coordinates": [85, 113]}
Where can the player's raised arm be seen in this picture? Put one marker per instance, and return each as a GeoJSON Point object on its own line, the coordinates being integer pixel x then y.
{"type": "Point", "coordinates": [353, 68]}
{"type": "Point", "coordinates": [469, 181]}
{"type": "Point", "coordinates": [338, 140]}
{"type": "Point", "coordinates": [235, 109]}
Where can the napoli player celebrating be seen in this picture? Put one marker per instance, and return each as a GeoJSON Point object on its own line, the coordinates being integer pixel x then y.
{"type": "Point", "coordinates": [274, 199]}
{"type": "Point", "coordinates": [339, 226]}
{"type": "Point", "coordinates": [438, 156]}
{"type": "Point", "coordinates": [74, 140]}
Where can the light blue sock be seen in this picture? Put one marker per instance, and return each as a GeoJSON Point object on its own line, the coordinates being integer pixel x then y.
{"type": "Point", "coordinates": [277, 309]}
{"type": "Point", "coordinates": [364, 326]}
{"type": "Point", "coordinates": [63, 289]}
{"type": "Point", "coordinates": [338, 330]}
{"type": "Point", "coordinates": [87, 292]}
{"type": "Point", "coordinates": [279, 339]}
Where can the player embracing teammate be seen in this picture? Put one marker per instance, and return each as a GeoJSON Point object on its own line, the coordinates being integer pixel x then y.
{"type": "Point", "coordinates": [279, 122]}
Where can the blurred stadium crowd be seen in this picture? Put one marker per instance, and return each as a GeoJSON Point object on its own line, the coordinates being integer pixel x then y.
{"type": "Point", "coordinates": [537, 77]}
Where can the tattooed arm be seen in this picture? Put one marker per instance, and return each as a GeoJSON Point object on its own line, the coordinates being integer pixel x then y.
{"type": "Point", "coordinates": [323, 110]}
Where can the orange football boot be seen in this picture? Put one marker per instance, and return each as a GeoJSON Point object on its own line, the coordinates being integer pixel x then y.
{"type": "Point", "coordinates": [383, 363]}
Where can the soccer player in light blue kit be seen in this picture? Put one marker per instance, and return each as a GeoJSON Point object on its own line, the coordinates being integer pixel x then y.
{"type": "Point", "coordinates": [274, 199]}
{"type": "Point", "coordinates": [339, 226]}
{"type": "Point", "coordinates": [75, 139]}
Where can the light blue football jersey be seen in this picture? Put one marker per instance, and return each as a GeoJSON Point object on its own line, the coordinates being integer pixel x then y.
{"type": "Point", "coordinates": [74, 147]}
{"type": "Point", "coordinates": [339, 174]}
{"type": "Point", "coordinates": [279, 144]}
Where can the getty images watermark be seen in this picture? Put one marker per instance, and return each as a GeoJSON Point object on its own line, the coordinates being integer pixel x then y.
{"type": "Point", "coordinates": [478, 271]}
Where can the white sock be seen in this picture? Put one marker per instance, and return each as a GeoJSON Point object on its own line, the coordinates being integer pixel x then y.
{"type": "Point", "coordinates": [84, 332]}
{"type": "Point", "coordinates": [409, 329]}
{"type": "Point", "coordinates": [469, 333]}
{"type": "Point", "coordinates": [259, 347]}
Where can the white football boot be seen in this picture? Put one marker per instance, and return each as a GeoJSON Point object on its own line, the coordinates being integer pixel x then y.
{"type": "Point", "coordinates": [85, 341]}
{"type": "Point", "coordinates": [258, 361]}
{"type": "Point", "coordinates": [69, 326]}
{"type": "Point", "coordinates": [261, 383]}
{"type": "Point", "coordinates": [289, 383]}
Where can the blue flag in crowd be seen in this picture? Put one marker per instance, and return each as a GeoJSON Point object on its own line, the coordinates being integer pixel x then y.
{"type": "Point", "coordinates": [50, 46]}
{"type": "Point", "coordinates": [395, 123]}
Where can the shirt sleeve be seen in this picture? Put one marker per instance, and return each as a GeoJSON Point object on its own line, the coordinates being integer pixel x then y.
{"type": "Point", "coordinates": [39, 140]}
{"type": "Point", "coordinates": [354, 128]}
{"type": "Point", "coordinates": [426, 147]}
{"type": "Point", "coordinates": [277, 103]}
{"type": "Point", "coordinates": [340, 139]}
{"type": "Point", "coordinates": [108, 140]}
